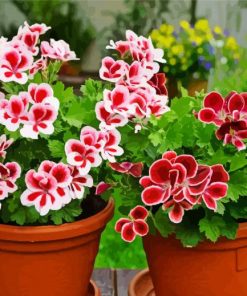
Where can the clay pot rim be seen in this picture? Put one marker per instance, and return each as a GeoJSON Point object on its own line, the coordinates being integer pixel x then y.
{"type": "Point", "coordinates": [56, 232]}
{"type": "Point", "coordinates": [135, 280]}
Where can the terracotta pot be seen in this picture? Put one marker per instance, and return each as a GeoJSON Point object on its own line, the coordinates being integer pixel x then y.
{"type": "Point", "coordinates": [196, 85]}
{"type": "Point", "coordinates": [141, 284]}
{"type": "Point", "coordinates": [93, 290]}
{"type": "Point", "coordinates": [209, 269]}
{"type": "Point", "coordinates": [50, 260]}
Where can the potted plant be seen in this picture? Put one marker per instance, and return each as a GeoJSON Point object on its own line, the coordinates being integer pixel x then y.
{"type": "Point", "coordinates": [51, 217]}
{"type": "Point", "coordinates": [192, 51]}
{"type": "Point", "coordinates": [182, 177]}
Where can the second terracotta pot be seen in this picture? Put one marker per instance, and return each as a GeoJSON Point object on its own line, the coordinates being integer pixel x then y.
{"type": "Point", "coordinates": [206, 270]}
{"type": "Point", "coordinates": [50, 260]}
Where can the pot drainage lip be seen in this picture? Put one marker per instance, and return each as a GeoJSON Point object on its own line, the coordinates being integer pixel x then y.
{"type": "Point", "coordinates": [141, 284]}
{"type": "Point", "coordinates": [93, 289]}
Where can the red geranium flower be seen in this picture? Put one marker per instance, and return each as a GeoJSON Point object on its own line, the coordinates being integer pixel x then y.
{"type": "Point", "coordinates": [229, 114]}
{"type": "Point", "coordinates": [135, 225]}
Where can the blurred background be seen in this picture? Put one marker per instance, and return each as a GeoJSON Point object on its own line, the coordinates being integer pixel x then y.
{"type": "Point", "coordinates": [204, 42]}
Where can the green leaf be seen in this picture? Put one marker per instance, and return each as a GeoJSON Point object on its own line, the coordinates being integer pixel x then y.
{"type": "Point", "coordinates": [212, 226]}
{"type": "Point", "coordinates": [188, 233]}
{"type": "Point", "coordinates": [56, 148]}
{"type": "Point", "coordinates": [67, 213]}
{"type": "Point", "coordinates": [238, 210]}
{"type": "Point", "coordinates": [19, 216]}
{"type": "Point", "coordinates": [182, 106]}
{"type": "Point", "coordinates": [237, 185]}
{"type": "Point", "coordinates": [238, 161]}
{"type": "Point", "coordinates": [163, 223]}
{"type": "Point", "coordinates": [74, 115]}
{"type": "Point", "coordinates": [157, 137]}
{"type": "Point", "coordinates": [204, 133]}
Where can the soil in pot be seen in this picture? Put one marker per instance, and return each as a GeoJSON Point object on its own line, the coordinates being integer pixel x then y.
{"type": "Point", "coordinates": [52, 260]}
{"type": "Point", "coordinates": [209, 269]}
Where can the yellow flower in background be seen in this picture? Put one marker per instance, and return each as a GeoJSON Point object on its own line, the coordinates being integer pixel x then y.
{"type": "Point", "coordinates": [218, 30]}
{"type": "Point", "coordinates": [202, 25]}
{"type": "Point", "coordinates": [172, 61]}
{"type": "Point", "coordinates": [166, 29]}
{"type": "Point", "coordinates": [185, 46]}
{"type": "Point", "coordinates": [185, 25]}
{"type": "Point", "coordinates": [177, 49]}
{"type": "Point", "coordinates": [231, 43]}
{"type": "Point", "coordinates": [155, 34]}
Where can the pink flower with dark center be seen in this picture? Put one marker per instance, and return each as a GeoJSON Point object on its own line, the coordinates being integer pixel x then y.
{"type": "Point", "coordinates": [13, 65]}
{"type": "Point", "coordinates": [48, 188]}
{"type": "Point", "coordinates": [109, 120]}
{"type": "Point", "coordinates": [112, 70]}
{"type": "Point", "coordinates": [111, 146]}
{"type": "Point", "coordinates": [78, 183]}
{"type": "Point", "coordinates": [9, 173]}
{"type": "Point", "coordinates": [29, 38]}
{"type": "Point", "coordinates": [121, 46]}
{"type": "Point", "coordinates": [134, 169]}
{"type": "Point", "coordinates": [15, 111]}
{"type": "Point", "coordinates": [57, 50]}
{"type": "Point", "coordinates": [90, 137]}
{"type": "Point", "coordinates": [40, 120]}
{"type": "Point", "coordinates": [39, 28]}
{"type": "Point", "coordinates": [81, 156]}
{"type": "Point", "coordinates": [4, 145]}
{"type": "Point", "coordinates": [102, 187]}
{"type": "Point", "coordinates": [40, 64]}
{"type": "Point", "coordinates": [117, 100]}
{"type": "Point", "coordinates": [42, 93]}
{"type": "Point", "coordinates": [134, 225]}
{"type": "Point", "coordinates": [229, 115]}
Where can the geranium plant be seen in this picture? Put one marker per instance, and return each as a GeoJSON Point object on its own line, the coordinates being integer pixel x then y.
{"type": "Point", "coordinates": [177, 169]}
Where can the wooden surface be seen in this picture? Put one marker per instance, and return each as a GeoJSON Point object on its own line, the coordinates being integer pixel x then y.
{"type": "Point", "coordinates": [113, 282]}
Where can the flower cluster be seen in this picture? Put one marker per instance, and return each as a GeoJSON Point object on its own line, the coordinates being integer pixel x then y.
{"type": "Point", "coordinates": [179, 183]}
{"type": "Point", "coordinates": [9, 172]}
{"type": "Point", "coordinates": [229, 115]}
{"type": "Point", "coordinates": [139, 90]}
{"type": "Point", "coordinates": [22, 56]}
{"type": "Point", "coordinates": [194, 48]}
{"type": "Point", "coordinates": [53, 186]}
{"type": "Point", "coordinates": [135, 225]}
{"type": "Point", "coordinates": [35, 110]}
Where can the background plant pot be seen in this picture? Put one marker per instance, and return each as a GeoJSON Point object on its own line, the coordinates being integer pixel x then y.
{"type": "Point", "coordinates": [197, 85]}
{"type": "Point", "coordinates": [209, 269]}
{"type": "Point", "coordinates": [50, 260]}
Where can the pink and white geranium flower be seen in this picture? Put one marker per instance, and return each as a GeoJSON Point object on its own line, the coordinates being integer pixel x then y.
{"type": "Point", "coordinates": [9, 173]}
{"type": "Point", "coordinates": [78, 183]}
{"type": "Point", "coordinates": [134, 225]}
{"type": "Point", "coordinates": [4, 145]}
{"type": "Point", "coordinates": [111, 147]}
{"type": "Point", "coordinates": [15, 111]}
{"type": "Point", "coordinates": [57, 50]}
{"type": "Point", "coordinates": [82, 156]}
{"type": "Point", "coordinates": [42, 93]}
{"type": "Point", "coordinates": [14, 64]}
{"type": "Point", "coordinates": [40, 120]}
{"type": "Point", "coordinates": [47, 189]}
